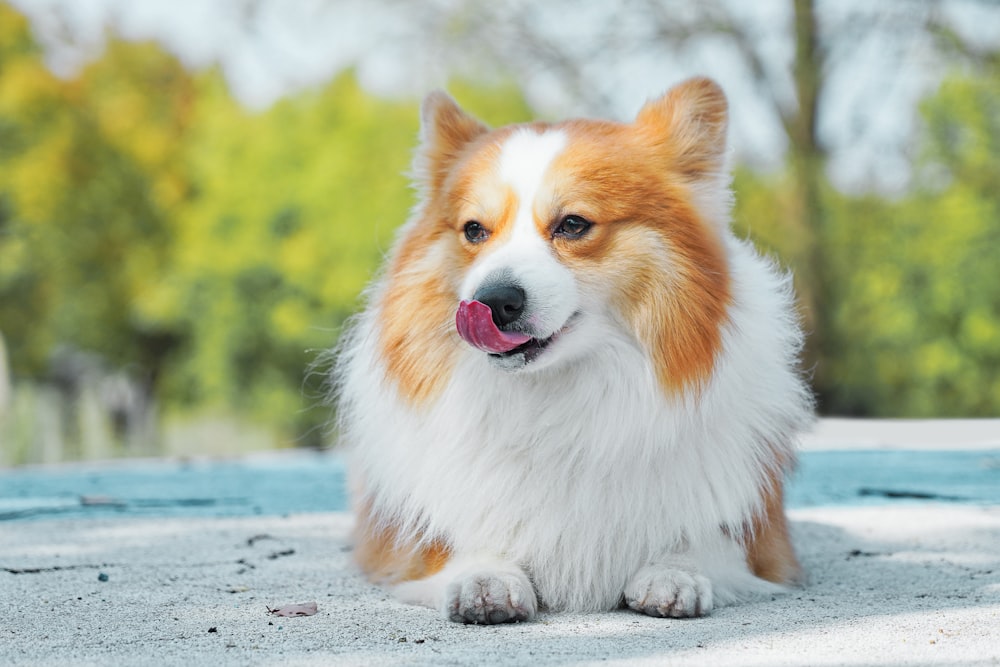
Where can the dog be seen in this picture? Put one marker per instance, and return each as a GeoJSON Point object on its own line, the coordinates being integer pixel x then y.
{"type": "Point", "coordinates": [572, 386]}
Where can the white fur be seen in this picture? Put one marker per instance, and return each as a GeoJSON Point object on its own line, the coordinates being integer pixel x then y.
{"type": "Point", "coordinates": [585, 473]}
{"type": "Point", "coordinates": [473, 588]}
{"type": "Point", "coordinates": [525, 158]}
{"type": "Point", "coordinates": [524, 256]}
{"type": "Point", "coordinates": [672, 588]}
{"type": "Point", "coordinates": [581, 479]}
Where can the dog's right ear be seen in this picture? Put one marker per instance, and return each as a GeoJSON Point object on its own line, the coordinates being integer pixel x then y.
{"type": "Point", "coordinates": [445, 130]}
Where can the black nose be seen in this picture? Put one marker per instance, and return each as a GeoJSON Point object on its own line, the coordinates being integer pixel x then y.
{"type": "Point", "coordinates": [506, 302]}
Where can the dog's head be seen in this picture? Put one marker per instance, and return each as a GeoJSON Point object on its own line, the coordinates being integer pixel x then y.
{"type": "Point", "coordinates": [532, 242]}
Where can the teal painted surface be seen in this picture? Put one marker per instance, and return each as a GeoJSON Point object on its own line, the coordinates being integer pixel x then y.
{"type": "Point", "coordinates": [873, 477]}
{"type": "Point", "coordinates": [297, 482]}
{"type": "Point", "coordinates": [315, 482]}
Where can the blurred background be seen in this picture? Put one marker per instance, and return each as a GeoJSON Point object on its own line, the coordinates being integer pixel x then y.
{"type": "Point", "coordinates": [193, 193]}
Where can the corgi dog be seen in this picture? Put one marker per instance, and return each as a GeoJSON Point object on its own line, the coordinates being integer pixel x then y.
{"type": "Point", "coordinates": [573, 387]}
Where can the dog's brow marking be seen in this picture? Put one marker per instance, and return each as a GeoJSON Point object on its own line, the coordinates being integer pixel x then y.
{"type": "Point", "coordinates": [524, 159]}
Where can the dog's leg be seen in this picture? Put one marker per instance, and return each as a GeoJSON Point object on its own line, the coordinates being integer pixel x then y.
{"type": "Point", "coordinates": [481, 590]}
{"type": "Point", "coordinates": [769, 547]}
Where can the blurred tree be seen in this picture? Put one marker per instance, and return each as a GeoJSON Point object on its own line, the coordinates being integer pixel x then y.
{"type": "Point", "coordinates": [794, 56]}
{"type": "Point", "coordinates": [146, 217]}
{"type": "Point", "coordinates": [296, 206]}
{"type": "Point", "coordinates": [918, 323]}
{"type": "Point", "coordinates": [88, 170]}
{"type": "Point", "coordinates": [293, 206]}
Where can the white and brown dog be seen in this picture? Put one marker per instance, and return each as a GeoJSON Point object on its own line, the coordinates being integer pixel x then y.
{"type": "Point", "coordinates": [573, 387]}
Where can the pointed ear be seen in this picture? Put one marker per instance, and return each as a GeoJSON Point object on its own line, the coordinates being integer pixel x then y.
{"type": "Point", "coordinates": [445, 130]}
{"type": "Point", "coordinates": [688, 124]}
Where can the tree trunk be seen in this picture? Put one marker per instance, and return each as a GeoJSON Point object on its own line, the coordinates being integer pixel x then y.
{"type": "Point", "coordinates": [807, 158]}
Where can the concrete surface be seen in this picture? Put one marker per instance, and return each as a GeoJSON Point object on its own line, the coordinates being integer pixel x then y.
{"type": "Point", "coordinates": [916, 583]}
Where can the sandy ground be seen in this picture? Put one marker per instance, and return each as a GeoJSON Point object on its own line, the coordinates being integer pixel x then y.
{"type": "Point", "coordinates": [902, 584]}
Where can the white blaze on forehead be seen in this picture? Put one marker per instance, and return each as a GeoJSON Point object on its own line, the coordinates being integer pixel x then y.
{"type": "Point", "coordinates": [524, 159]}
{"type": "Point", "coordinates": [525, 256]}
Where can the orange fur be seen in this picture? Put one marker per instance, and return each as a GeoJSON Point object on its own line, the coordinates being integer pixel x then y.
{"type": "Point", "coordinates": [450, 131]}
{"type": "Point", "coordinates": [637, 196]}
{"type": "Point", "coordinates": [418, 306]}
{"type": "Point", "coordinates": [641, 209]}
{"type": "Point", "coordinates": [770, 554]}
{"type": "Point", "coordinates": [688, 127]}
{"type": "Point", "coordinates": [650, 253]}
{"type": "Point", "coordinates": [386, 559]}
{"type": "Point", "coordinates": [417, 335]}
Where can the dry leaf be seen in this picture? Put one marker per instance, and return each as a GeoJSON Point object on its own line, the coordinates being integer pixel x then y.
{"type": "Point", "coordinates": [301, 609]}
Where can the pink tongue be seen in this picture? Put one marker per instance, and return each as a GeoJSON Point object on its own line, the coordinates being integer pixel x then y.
{"type": "Point", "coordinates": [476, 327]}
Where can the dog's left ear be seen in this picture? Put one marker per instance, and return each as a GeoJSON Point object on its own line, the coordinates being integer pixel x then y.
{"type": "Point", "coordinates": [688, 124]}
{"type": "Point", "coordinates": [445, 131]}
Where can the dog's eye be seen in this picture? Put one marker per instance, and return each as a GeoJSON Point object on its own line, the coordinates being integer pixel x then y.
{"type": "Point", "coordinates": [475, 232]}
{"type": "Point", "coordinates": [572, 227]}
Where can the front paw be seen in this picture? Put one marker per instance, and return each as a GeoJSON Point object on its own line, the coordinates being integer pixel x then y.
{"type": "Point", "coordinates": [668, 592]}
{"type": "Point", "coordinates": [490, 597]}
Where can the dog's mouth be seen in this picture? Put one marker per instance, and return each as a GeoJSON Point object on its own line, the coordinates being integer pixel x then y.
{"type": "Point", "coordinates": [530, 350]}
{"type": "Point", "coordinates": [474, 321]}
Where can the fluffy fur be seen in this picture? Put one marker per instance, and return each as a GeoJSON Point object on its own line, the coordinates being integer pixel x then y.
{"type": "Point", "coordinates": [636, 455]}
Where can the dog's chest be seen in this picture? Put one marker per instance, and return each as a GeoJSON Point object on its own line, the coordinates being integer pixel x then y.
{"type": "Point", "coordinates": [581, 482]}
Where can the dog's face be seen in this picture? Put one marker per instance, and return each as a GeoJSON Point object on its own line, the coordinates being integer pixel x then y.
{"type": "Point", "coordinates": [519, 233]}
{"type": "Point", "coordinates": [536, 242]}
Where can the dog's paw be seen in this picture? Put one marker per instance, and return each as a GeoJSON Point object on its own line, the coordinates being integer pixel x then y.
{"type": "Point", "coordinates": [669, 592]}
{"type": "Point", "coordinates": [490, 597]}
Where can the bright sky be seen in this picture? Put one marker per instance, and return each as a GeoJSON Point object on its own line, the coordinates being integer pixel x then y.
{"type": "Point", "coordinates": [287, 45]}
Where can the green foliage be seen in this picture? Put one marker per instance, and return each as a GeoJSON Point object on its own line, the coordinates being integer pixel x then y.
{"type": "Point", "coordinates": [145, 216]}
{"type": "Point", "coordinates": [764, 212]}
{"type": "Point", "coordinates": [294, 208]}
{"type": "Point", "coordinates": [917, 317]}
{"type": "Point", "coordinates": [88, 172]}
{"type": "Point", "coordinates": [913, 301]}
